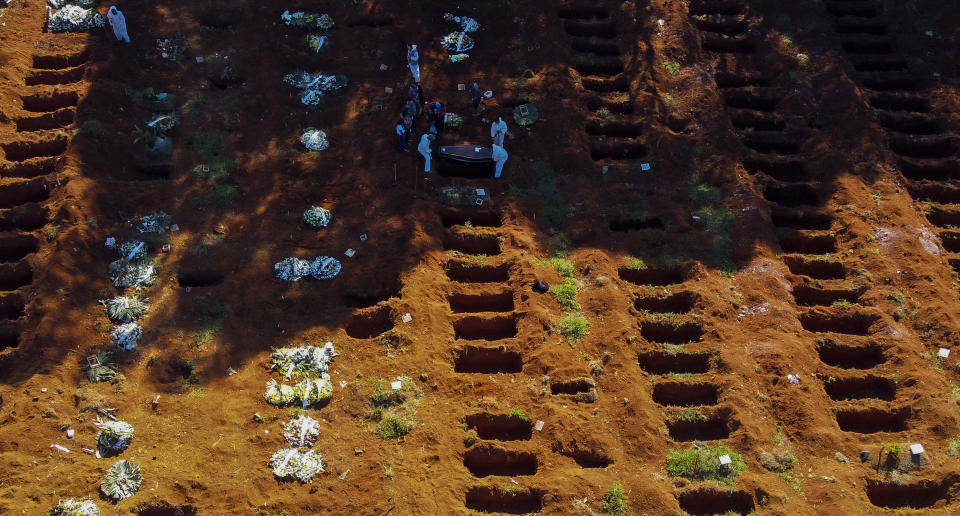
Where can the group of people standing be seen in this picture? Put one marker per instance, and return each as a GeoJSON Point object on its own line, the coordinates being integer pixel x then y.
{"type": "Point", "coordinates": [437, 113]}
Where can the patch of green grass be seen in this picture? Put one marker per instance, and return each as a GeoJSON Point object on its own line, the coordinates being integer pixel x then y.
{"type": "Point", "coordinates": [205, 335]}
{"type": "Point", "coordinates": [715, 219]}
{"type": "Point", "coordinates": [391, 427]}
{"type": "Point", "coordinates": [208, 143]}
{"type": "Point", "coordinates": [574, 327]}
{"type": "Point", "coordinates": [197, 393]}
{"type": "Point", "coordinates": [388, 470]}
{"type": "Point", "coordinates": [672, 66]}
{"type": "Point", "coordinates": [518, 413]}
{"type": "Point", "coordinates": [670, 100]}
{"type": "Point", "coordinates": [566, 293]}
{"type": "Point", "coordinates": [841, 302]}
{"type": "Point", "coordinates": [703, 463]}
{"type": "Point", "coordinates": [207, 307]}
{"type": "Point", "coordinates": [791, 480]}
{"type": "Point", "coordinates": [224, 195]}
{"type": "Point", "coordinates": [552, 207]}
{"type": "Point", "coordinates": [688, 415]}
{"type": "Point", "coordinates": [564, 267]}
{"type": "Point", "coordinates": [636, 264]}
{"type": "Point", "coordinates": [953, 449]}
{"type": "Point", "coordinates": [603, 113]}
{"type": "Point", "coordinates": [721, 255]}
{"type": "Point", "coordinates": [613, 504]}
{"type": "Point", "coordinates": [704, 195]}
{"type": "Point", "coordinates": [50, 234]}
{"type": "Point", "coordinates": [777, 463]}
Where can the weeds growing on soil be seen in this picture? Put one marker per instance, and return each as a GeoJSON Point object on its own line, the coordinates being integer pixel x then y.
{"type": "Point", "coordinates": [613, 503]}
{"type": "Point", "coordinates": [391, 427]}
{"type": "Point", "coordinates": [566, 293]}
{"type": "Point", "coordinates": [574, 327]}
{"type": "Point", "coordinates": [563, 267]}
{"type": "Point", "coordinates": [702, 462]}
{"type": "Point", "coordinates": [518, 413]}
{"type": "Point", "coordinates": [672, 66]}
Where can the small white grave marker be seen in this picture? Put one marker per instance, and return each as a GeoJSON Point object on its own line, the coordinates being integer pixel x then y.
{"type": "Point", "coordinates": [407, 317]}
{"type": "Point", "coordinates": [644, 166]}
{"type": "Point", "coordinates": [538, 426]}
{"type": "Point", "coordinates": [384, 68]}
{"type": "Point", "coordinates": [363, 237]}
{"type": "Point", "coordinates": [199, 59]}
{"type": "Point", "coordinates": [111, 242]}
{"type": "Point", "coordinates": [481, 192]}
{"type": "Point", "coordinates": [388, 89]}
{"type": "Point", "coordinates": [943, 353]}
{"type": "Point", "coordinates": [479, 201]}
{"type": "Point", "coordinates": [343, 383]}
{"type": "Point", "coordinates": [350, 253]}
{"type": "Point", "coordinates": [397, 385]}
{"type": "Point", "coordinates": [174, 227]}
{"type": "Point", "coordinates": [725, 460]}
{"type": "Point", "coordinates": [916, 449]}
{"type": "Point", "coordinates": [166, 248]}
{"type": "Point", "coordinates": [461, 87]}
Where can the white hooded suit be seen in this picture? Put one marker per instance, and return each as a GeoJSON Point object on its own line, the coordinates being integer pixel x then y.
{"type": "Point", "coordinates": [118, 23]}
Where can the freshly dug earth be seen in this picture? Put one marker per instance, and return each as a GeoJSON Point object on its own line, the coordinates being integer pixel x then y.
{"type": "Point", "coordinates": [774, 234]}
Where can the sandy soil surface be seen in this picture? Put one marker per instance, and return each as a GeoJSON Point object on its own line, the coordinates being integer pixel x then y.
{"type": "Point", "coordinates": [798, 217]}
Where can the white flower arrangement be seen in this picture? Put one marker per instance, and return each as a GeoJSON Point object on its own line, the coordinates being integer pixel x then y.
{"type": "Point", "coordinates": [292, 269]}
{"type": "Point", "coordinates": [60, 4]}
{"type": "Point", "coordinates": [122, 480]}
{"type": "Point", "coordinates": [302, 431]}
{"type": "Point", "coordinates": [114, 437]}
{"type": "Point", "coordinates": [309, 361]}
{"type": "Point", "coordinates": [163, 123]}
{"type": "Point", "coordinates": [308, 20]}
{"type": "Point", "coordinates": [314, 86]}
{"type": "Point", "coordinates": [312, 391]}
{"type": "Point", "coordinates": [73, 18]}
{"type": "Point", "coordinates": [314, 139]}
{"type": "Point", "coordinates": [317, 217]}
{"type": "Point", "coordinates": [292, 463]}
{"type": "Point", "coordinates": [125, 336]}
{"type": "Point", "coordinates": [159, 222]}
{"type": "Point", "coordinates": [325, 267]}
{"type": "Point", "coordinates": [132, 250]}
{"type": "Point", "coordinates": [279, 395]}
{"type": "Point", "coordinates": [126, 309]}
{"type": "Point", "coordinates": [458, 42]}
{"type": "Point", "coordinates": [458, 58]}
{"type": "Point", "coordinates": [74, 507]}
{"type": "Point", "coordinates": [315, 42]}
{"type": "Point", "coordinates": [466, 23]}
{"type": "Point", "coordinates": [132, 273]}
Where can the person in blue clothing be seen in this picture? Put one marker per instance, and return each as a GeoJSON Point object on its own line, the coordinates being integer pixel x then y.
{"type": "Point", "coordinates": [402, 135]}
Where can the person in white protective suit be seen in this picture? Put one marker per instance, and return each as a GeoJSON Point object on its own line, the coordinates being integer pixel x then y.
{"type": "Point", "coordinates": [118, 23]}
{"type": "Point", "coordinates": [425, 150]}
{"type": "Point", "coordinates": [499, 157]}
{"type": "Point", "coordinates": [498, 130]}
{"type": "Point", "coordinates": [413, 61]}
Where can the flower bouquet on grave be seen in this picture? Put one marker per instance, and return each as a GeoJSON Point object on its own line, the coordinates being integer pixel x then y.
{"type": "Point", "coordinates": [132, 273]}
{"type": "Point", "coordinates": [314, 86]}
{"type": "Point", "coordinates": [313, 390]}
{"type": "Point", "coordinates": [279, 395]}
{"type": "Point", "coordinates": [172, 49]}
{"type": "Point", "coordinates": [73, 18]}
{"type": "Point", "coordinates": [302, 431]}
{"type": "Point", "coordinates": [73, 507]}
{"type": "Point", "coordinates": [457, 58]}
{"type": "Point", "coordinates": [291, 463]}
{"type": "Point", "coordinates": [317, 217]}
{"type": "Point", "coordinates": [292, 269]}
{"type": "Point", "coordinates": [325, 267]}
{"type": "Point", "coordinates": [466, 23]}
{"type": "Point", "coordinates": [102, 369]}
{"type": "Point", "coordinates": [60, 4]}
{"type": "Point", "coordinates": [304, 360]}
{"type": "Point", "coordinates": [122, 480]}
{"type": "Point", "coordinates": [307, 20]}
{"type": "Point", "coordinates": [132, 250]}
{"type": "Point", "coordinates": [126, 309]}
{"type": "Point", "coordinates": [159, 223]}
{"type": "Point", "coordinates": [314, 139]}
{"type": "Point", "coordinates": [162, 124]}
{"type": "Point", "coordinates": [315, 42]}
{"type": "Point", "coordinates": [458, 42]}
{"type": "Point", "coordinates": [114, 436]}
{"type": "Point", "coordinates": [125, 336]}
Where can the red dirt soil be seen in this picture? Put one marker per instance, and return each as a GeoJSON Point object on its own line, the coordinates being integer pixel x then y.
{"type": "Point", "coordinates": [828, 129]}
